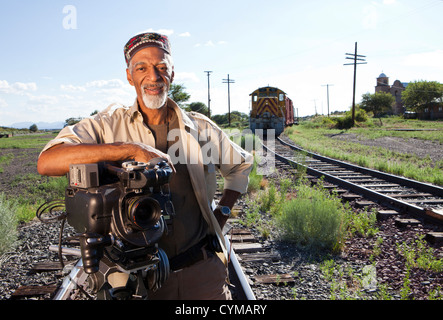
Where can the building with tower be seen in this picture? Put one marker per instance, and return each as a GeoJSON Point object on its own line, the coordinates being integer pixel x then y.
{"type": "Point", "coordinates": [395, 90]}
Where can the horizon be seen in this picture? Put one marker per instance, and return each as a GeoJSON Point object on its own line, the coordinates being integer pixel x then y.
{"type": "Point", "coordinates": [66, 60]}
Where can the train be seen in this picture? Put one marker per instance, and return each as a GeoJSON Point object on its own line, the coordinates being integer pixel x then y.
{"type": "Point", "coordinates": [271, 108]}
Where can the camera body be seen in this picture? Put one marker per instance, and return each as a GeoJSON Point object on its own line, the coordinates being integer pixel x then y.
{"type": "Point", "coordinates": [121, 212]}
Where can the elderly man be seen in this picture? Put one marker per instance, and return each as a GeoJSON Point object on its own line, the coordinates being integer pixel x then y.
{"type": "Point", "coordinates": [156, 127]}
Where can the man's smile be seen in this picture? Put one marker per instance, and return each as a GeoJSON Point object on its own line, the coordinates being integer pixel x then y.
{"type": "Point", "coordinates": [153, 89]}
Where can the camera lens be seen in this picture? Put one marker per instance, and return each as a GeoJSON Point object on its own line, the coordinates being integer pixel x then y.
{"type": "Point", "coordinates": [144, 212]}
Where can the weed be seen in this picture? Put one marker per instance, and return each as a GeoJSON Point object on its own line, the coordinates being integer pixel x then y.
{"type": "Point", "coordinates": [376, 250]}
{"type": "Point", "coordinates": [255, 179]}
{"type": "Point", "coordinates": [268, 197]}
{"type": "Point", "coordinates": [436, 294]}
{"type": "Point", "coordinates": [252, 215]}
{"type": "Point", "coordinates": [406, 289]}
{"type": "Point", "coordinates": [419, 255]}
{"type": "Point", "coordinates": [363, 223]}
{"type": "Point", "coordinates": [382, 293]}
{"type": "Point", "coordinates": [327, 269]}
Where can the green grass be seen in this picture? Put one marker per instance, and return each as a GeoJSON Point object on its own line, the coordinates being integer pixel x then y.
{"type": "Point", "coordinates": [318, 139]}
{"type": "Point", "coordinates": [25, 141]}
{"type": "Point", "coordinates": [5, 160]}
{"type": "Point", "coordinates": [36, 190]}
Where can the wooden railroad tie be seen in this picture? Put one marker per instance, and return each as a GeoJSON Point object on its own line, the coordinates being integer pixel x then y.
{"type": "Point", "coordinates": [364, 203]}
{"type": "Point", "coordinates": [242, 238]}
{"type": "Point", "coordinates": [406, 222]}
{"type": "Point", "coordinates": [435, 238]}
{"type": "Point", "coordinates": [385, 214]}
{"type": "Point", "coordinates": [247, 247]}
{"type": "Point", "coordinates": [259, 257]}
{"type": "Point", "coordinates": [350, 197]}
{"type": "Point", "coordinates": [278, 279]}
{"type": "Point", "coordinates": [27, 291]}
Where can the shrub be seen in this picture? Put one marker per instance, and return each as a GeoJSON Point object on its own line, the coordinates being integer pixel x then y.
{"type": "Point", "coordinates": [8, 224]}
{"type": "Point", "coordinates": [314, 219]}
{"type": "Point", "coordinates": [344, 122]}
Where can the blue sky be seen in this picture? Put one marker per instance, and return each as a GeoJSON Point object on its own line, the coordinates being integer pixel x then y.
{"type": "Point", "coordinates": [62, 59]}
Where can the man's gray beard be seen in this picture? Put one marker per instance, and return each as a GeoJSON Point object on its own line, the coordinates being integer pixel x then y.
{"type": "Point", "coordinates": [155, 102]}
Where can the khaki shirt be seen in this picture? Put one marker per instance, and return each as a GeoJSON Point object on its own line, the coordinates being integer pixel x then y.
{"type": "Point", "coordinates": [201, 144]}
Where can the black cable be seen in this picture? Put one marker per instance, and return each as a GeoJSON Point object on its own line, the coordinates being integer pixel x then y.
{"type": "Point", "coordinates": [51, 207]}
{"type": "Point", "coordinates": [60, 237]}
{"type": "Point", "coordinates": [50, 212]}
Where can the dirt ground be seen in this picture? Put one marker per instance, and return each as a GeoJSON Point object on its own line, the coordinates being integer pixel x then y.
{"type": "Point", "coordinates": [421, 148]}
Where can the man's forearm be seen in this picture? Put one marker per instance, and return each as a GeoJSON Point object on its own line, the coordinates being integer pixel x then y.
{"type": "Point", "coordinates": [56, 160]}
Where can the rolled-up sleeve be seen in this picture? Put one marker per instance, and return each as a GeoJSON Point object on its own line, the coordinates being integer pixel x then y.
{"type": "Point", "coordinates": [86, 131]}
{"type": "Point", "coordinates": [235, 165]}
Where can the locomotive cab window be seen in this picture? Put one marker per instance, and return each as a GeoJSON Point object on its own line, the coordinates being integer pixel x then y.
{"type": "Point", "coordinates": [254, 98]}
{"type": "Point", "coordinates": [281, 97]}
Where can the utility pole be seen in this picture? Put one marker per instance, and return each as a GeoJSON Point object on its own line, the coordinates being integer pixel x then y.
{"type": "Point", "coordinates": [356, 58]}
{"type": "Point", "coordinates": [209, 96]}
{"type": "Point", "coordinates": [229, 81]}
{"type": "Point", "coordinates": [327, 91]}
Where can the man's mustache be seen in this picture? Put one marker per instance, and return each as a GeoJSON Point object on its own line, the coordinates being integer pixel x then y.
{"type": "Point", "coordinates": [153, 85]}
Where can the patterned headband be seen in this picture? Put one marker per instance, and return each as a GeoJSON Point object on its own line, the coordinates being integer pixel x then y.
{"type": "Point", "coordinates": [144, 40]}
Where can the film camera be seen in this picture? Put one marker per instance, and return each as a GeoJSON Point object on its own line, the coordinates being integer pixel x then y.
{"type": "Point", "coordinates": [120, 214]}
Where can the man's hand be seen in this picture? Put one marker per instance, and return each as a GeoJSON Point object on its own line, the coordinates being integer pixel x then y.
{"type": "Point", "coordinates": [145, 153]}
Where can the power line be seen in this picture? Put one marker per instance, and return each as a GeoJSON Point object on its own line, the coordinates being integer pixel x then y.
{"type": "Point", "coordinates": [229, 81]}
{"type": "Point", "coordinates": [356, 57]}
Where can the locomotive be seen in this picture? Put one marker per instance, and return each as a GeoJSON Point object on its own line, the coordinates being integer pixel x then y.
{"type": "Point", "coordinates": [271, 109]}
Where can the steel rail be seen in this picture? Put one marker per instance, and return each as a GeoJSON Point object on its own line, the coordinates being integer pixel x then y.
{"type": "Point", "coordinates": [246, 288]}
{"type": "Point", "coordinates": [436, 190]}
{"type": "Point", "coordinates": [368, 193]}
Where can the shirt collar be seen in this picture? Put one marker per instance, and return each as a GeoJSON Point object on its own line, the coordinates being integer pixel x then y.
{"type": "Point", "coordinates": [181, 114]}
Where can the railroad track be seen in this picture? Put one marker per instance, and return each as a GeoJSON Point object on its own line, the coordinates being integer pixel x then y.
{"type": "Point", "coordinates": [400, 194]}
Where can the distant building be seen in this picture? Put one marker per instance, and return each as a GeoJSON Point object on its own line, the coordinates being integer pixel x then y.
{"type": "Point", "coordinates": [434, 111]}
{"type": "Point", "coordinates": [396, 89]}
